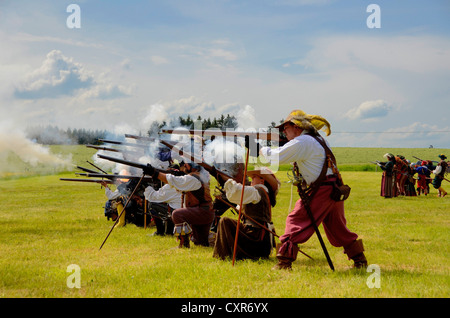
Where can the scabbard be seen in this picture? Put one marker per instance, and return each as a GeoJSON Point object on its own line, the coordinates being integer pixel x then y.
{"type": "Point", "coordinates": [306, 199]}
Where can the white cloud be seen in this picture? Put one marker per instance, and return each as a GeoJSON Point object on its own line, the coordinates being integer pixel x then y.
{"type": "Point", "coordinates": [106, 91]}
{"type": "Point", "coordinates": [369, 110]}
{"type": "Point", "coordinates": [58, 75]}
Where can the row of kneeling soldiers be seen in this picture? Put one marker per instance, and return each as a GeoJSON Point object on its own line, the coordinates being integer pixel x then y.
{"type": "Point", "coordinates": [182, 203]}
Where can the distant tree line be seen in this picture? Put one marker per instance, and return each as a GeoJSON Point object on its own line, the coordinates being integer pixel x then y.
{"type": "Point", "coordinates": [52, 135]}
{"type": "Point", "coordinates": [222, 123]}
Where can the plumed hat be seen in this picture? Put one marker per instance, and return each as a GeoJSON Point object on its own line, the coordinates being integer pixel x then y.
{"type": "Point", "coordinates": [307, 122]}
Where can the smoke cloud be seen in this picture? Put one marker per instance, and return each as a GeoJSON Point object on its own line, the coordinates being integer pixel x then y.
{"type": "Point", "coordinates": [14, 141]}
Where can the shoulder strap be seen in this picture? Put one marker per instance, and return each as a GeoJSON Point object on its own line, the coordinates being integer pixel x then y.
{"type": "Point", "coordinates": [330, 160]}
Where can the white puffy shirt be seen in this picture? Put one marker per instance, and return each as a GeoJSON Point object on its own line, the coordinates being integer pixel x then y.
{"type": "Point", "coordinates": [251, 195]}
{"type": "Point", "coordinates": [304, 150]}
{"type": "Point", "coordinates": [167, 194]}
{"type": "Point", "coordinates": [184, 183]}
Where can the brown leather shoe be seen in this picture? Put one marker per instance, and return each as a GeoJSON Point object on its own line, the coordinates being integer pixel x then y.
{"type": "Point", "coordinates": [360, 261]}
{"type": "Point", "coordinates": [283, 263]}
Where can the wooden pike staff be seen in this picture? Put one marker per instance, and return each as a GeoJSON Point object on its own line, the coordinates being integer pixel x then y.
{"type": "Point", "coordinates": [240, 207]}
{"type": "Point", "coordinates": [123, 210]}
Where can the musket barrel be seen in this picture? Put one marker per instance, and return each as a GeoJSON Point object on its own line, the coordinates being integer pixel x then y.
{"type": "Point", "coordinates": [86, 169]}
{"type": "Point", "coordinates": [122, 161]}
{"type": "Point", "coordinates": [103, 148]}
{"type": "Point", "coordinates": [86, 180]}
{"type": "Point", "coordinates": [110, 176]}
{"type": "Point", "coordinates": [225, 133]}
{"type": "Point", "coordinates": [122, 143]}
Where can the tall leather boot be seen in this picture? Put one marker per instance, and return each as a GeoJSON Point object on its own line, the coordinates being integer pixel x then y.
{"type": "Point", "coordinates": [160, 228]}
{"type": "Point", "coordinates": [355, 252]}
{"type": "Point", "coordinates": [285, 260]}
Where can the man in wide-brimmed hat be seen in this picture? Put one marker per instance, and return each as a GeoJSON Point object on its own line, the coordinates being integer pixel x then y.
{"type": "Point", "coordinates": [301, 130]}
{"type": "Point", "coordinates": [255, 239]}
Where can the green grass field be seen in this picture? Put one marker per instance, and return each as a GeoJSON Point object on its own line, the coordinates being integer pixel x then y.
{"type": "Point", "coordinates": [48, 225]}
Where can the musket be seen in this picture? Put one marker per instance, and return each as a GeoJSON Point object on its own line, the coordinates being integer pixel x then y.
{"type": "Point", "coordinates": [100, 169]}
{"type": "Point", "coordinates": [173, 143]}
{"type": "Point", "coordinates": [124, 151]}
{"type": "Point", "coordinates": [132, 164]}
{"type": "Point", "coordinates": [224, 133]}
{"type": "Point", "coordinates": [424, 160]}
{"type": "Point", "coordinates": [140, 137]}
{"type": "Point", "coordinates": [103, 148]}
{"type": "Point", "coordinates": [209, 168]}
{"type": "Point", "coordinates": [122, 143]}
{"type": "Point", "coordinates": [122, 161]}
{"type": "Point", "coordinates": [86, 169]}
{"type": "Point", "coordinates": [378, 163]}
{"type": "Point", "coordinates": [111, 176]}
{"type": "Point", "coordinates": [87, 180]}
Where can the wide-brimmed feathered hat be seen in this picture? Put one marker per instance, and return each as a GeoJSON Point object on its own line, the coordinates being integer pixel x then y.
{"type": "Point", "coordinates": [307, 122]}
{"type": "Point", "coordinates": [268, 176]}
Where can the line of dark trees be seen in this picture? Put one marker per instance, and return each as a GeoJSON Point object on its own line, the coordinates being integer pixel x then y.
{"type": "Point", "coordinates": [52, 135]}
{"type": "Point", "coordinates": [223, 122]}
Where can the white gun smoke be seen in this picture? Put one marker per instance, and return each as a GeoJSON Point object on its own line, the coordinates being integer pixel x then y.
{"type": "Point", "coordinates": [14, 141]}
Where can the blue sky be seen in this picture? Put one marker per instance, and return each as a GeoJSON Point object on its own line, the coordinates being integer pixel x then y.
{"type": "Point", "coordinates": [132, 62]}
